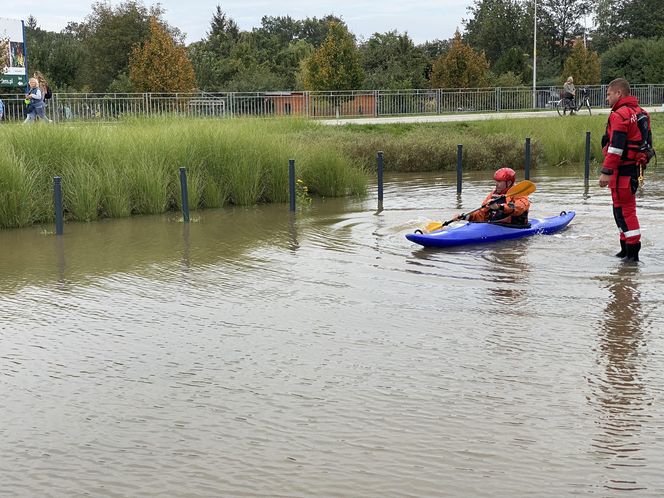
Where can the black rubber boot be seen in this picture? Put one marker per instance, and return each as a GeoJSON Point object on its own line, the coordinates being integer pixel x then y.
{"type": "Point", "coordinates": [633, 252]}
{"type": "Point", "coordinates": [623, 250]}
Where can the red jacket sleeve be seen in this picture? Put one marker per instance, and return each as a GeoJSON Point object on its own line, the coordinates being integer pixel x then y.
{"type": "Point", "coordinates": [617, 142]}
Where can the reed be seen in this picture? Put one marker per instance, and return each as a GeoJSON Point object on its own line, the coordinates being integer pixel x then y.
{"type": "Point", "coordinates": [17, 183]}
{"type": "Point", "coordinates": [131, 167]}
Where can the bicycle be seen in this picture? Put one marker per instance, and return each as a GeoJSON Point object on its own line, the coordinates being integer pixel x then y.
{"type": "Point", "coordinates": [565, 104]}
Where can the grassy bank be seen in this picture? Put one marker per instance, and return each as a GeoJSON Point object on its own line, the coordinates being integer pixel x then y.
{"type": "Point", "coordinates": [486, 144]}
{"type": "Point", "coordinates": [131, 167]}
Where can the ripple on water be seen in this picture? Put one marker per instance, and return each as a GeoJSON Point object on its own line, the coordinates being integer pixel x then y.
{"type": "Point", "coordinates": [325, 355]}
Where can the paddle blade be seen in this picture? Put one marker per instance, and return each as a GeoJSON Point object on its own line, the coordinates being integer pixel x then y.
{"type": "Point", "coordinates": [434, 225]}
{"type": "Point", "coordinates": [522, 189]}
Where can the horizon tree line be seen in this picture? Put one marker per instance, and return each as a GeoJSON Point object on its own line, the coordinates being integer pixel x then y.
{"type": "Point", "coordinates": [113, 50]}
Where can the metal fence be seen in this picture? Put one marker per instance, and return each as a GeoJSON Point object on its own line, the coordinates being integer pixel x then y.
{"type": "Point", "coordinates": [357, 103]}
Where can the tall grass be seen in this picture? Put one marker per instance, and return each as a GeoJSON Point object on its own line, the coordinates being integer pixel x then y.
{"type": "Point", "coordinates": [17, 183]}
{"type": "Point", "coordinates": [486, 144]}
{"type": "Point", "coordinates": [132, 167]}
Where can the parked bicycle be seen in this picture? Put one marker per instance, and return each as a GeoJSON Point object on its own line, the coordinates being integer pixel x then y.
{"type": "Point", "coordinates": [565, 105]}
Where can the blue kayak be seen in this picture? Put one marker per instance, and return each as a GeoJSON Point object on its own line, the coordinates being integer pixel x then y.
{"type": "Point", "coordinates": [481, 233]}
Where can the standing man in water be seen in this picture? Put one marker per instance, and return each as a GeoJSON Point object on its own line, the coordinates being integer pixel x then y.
{"type": "Point", "coordinates": [622, 164]}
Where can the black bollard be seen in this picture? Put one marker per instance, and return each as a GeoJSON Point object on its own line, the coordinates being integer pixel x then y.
{"type": "Point", "coordinates": [291, 182]}
{"type": "Point", "coordinates": [586, 172]}
{"type": "Point", "coordinates": [185, 194]}
{"type": "Point", "coordinates": [459, 169]}
{"type": "Point", "coordinates": [57, 195]}
{"type": "Point", "coordinates": [379, 159]}
{"type": "Point", "coordinates": [527, 167]}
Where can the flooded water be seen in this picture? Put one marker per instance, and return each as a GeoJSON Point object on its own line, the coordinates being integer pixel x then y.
{"type": "Point", "coordinates": [253, 353]}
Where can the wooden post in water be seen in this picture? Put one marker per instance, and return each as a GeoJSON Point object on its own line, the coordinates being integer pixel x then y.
{"type": "Point", "coordinates": [291, 183]}
{"type": "Point", "coordinates": [57, 196]}
{"type": "Point", "coordinates": [459, 167]}
{"type": "Point", "coordinates": [185, 194]}
{"type": "Point", "coordinates": [586, 171]}
{"type": "Point", "coordinates": [527, 167]}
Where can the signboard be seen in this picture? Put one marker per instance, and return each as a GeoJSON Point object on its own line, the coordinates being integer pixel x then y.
{"type": "Point", "coordinates": [13, 61]}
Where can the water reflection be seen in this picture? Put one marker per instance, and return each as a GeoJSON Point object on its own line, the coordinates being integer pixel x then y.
{"type": "Point", "coordinates": [510, 273]}
{"type": "Point", "coordinates": [293, 245]}
{"type": "Point", "coordinates": [620, 395]}
{"type": "Point", "coordinates": [61, 263]}
{"type": "Point", "coordinates": [186, 246]}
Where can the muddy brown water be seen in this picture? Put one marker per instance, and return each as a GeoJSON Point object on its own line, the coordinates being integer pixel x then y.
{"type": "Point", "coordinates": [255, 353]}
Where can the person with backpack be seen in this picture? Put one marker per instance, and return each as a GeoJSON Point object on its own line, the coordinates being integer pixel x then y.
{"type": "Point", "coordinates": [625, 158]}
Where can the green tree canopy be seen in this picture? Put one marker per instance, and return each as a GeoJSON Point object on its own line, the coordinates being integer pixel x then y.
{"type": "Point", "coordinates": [619, 20]}
{"type": "Point", "coordinates": [515, 61]}
{"type": "Point", "coordinates": [496, 26]}
{"type": "Point", "coordinates": [109, 34]}
{"type": "Point", "coordinates": [461, 67]}
{"type": "Point", "coordinates": [391, 60]}
{"type": "Point", "coordinates": [639, 61]}
{"type": "Point", "coordinates": [560, 22]}
{"type": "Point", "coordinates": [335, 65]}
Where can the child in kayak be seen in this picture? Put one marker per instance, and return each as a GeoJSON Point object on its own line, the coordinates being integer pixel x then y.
{"type": "Point", "coordinates": [501, 209]}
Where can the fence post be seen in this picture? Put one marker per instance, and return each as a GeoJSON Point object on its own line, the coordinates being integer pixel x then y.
{"type": "Point", "coordinates": [497, 99]}
{"type": "Point", "coordinates": [586, 172]}
{"type": "Point", "coordinates": [57, 195]}
{"type": "Point", "coordinates": [527, 168]}
{"type": "Point", "coordinates": [185, 194]}
{"type": "Point", "coordinates": [379, 159]}
{"type": "Point", "coordinates": [459, 172]}
{"type": "Point", "coordinates": [291, 183]}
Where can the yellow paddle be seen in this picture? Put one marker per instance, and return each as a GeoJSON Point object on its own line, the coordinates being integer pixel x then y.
{"type": "Point", "coordinates": [522, 189]}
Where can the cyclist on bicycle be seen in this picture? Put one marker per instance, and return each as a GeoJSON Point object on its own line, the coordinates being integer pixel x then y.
{"type": "Point", "coordinates": [569, 93]}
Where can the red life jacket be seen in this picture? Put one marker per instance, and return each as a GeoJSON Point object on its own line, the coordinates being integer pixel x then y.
{"type": "Point", "coordinates": [627, 110]}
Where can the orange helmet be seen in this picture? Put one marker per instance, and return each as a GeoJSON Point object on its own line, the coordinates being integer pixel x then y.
{"type": "Point", "coordinates": [505, 175]}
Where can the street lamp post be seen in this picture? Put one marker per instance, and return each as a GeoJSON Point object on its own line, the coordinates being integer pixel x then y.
{"type": "Point", "coordinates": [535, 59]}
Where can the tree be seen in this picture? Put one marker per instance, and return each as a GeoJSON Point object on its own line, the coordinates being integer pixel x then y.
{"type": "Point", "coordinates": [561, 22]}
{"type": "Point", "coordinates": [212, 58]}
{"type": "Point", "coordinates": [639, 61]}
{"type": "Point", "coordinates": [229, 59]}
{"type": "Point", "coordinates": [59, 56]}
{"type": "Point", "coordinates": [391, 60]}
{"type": "Point", "coordinates": [608, 31]}
{"type": "Point", "coordinates": [513, 60]}
{"type": "Point", "coordinates": [491, 21]}
{"type": "Point", "coordinates": [583, 65]}
{"type": "Point", "coordinates": [461, 67]}
{"type": "Point", "coordinates": [619, 20]}
{"type": "Point", "coordinates": [109, 34]}
{"type": "Point", "coordinates": [160, 65]}
{"type": "Point", "coordinates": [335, 65]}
{"type": "Point", "coordinates": [223, 35]}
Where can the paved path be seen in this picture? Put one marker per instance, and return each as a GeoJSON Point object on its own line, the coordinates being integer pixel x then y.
{"type": "Point", "coordinates": [461, 117]}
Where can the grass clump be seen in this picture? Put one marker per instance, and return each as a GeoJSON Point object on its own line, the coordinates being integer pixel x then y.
{"type": "Point", "coordinates": [132, 167]}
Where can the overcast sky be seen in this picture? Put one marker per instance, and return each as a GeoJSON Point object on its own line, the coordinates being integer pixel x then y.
{"type": "Point", "coordinates": [423, 20]}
